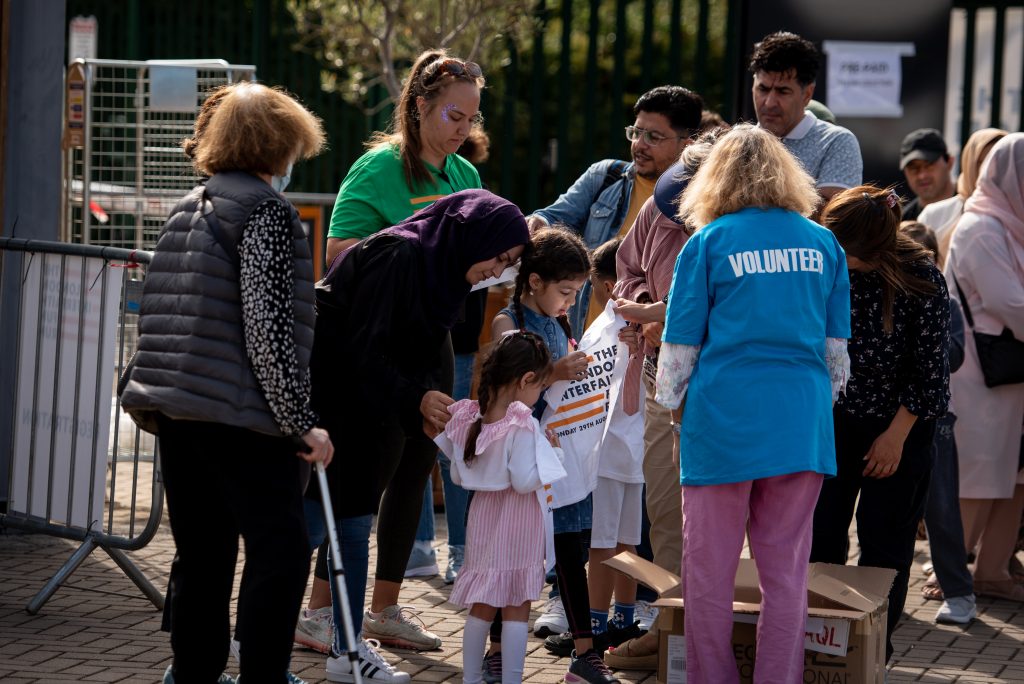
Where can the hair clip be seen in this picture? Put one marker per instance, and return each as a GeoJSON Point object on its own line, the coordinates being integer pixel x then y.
{"type": "Point", "coordinates": [892, 199]}
{"type": "Point", "coordinates": [510, 333]}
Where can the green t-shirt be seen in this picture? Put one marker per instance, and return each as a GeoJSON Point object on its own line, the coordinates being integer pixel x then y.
{"type": "Point", "coordinates": [374, 194]}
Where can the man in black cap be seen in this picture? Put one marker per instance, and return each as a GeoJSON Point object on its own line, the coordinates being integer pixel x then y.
{"type": "Point", "coordinates": [926, 164]}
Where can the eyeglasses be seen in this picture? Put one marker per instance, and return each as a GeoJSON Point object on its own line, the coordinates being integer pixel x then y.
{"type": "Point", "coordinates": [649, 137]}
{"type": "Point", "coordinates": [452, 66]}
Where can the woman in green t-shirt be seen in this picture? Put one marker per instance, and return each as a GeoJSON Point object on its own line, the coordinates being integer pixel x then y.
{"type": "Point", "coordinates": [406, 169]}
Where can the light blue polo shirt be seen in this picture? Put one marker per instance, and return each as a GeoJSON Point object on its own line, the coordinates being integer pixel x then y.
{"type": "Point", "coordinates": [760, 290]}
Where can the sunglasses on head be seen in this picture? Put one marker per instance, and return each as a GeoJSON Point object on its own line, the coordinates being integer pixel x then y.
{"type": "Point", "coordinates": [453, 67]}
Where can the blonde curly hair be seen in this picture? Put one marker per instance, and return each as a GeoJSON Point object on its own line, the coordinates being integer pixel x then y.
{"type": "Point", "coordinates": [747, 167]}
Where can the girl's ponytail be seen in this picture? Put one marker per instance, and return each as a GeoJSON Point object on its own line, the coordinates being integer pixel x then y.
{"type": "Point", "coordinates": [484, 398]}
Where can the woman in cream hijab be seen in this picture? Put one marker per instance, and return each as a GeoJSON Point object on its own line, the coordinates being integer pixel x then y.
{"type": "Point", "coordinates": [986, 258]}
{"type": "Point", "coordinates": [942, 216]}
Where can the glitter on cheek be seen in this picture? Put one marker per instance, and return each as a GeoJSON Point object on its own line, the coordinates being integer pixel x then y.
{"type": "Point", "coordinates": [444, 112]}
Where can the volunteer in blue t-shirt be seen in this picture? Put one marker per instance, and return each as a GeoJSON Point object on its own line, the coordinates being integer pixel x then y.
{"type": "Point", "coordinates": [755, 337]}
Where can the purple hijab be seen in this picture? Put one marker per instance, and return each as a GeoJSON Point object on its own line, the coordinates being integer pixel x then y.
{"type": "Point", "coordinates": [454, 233]}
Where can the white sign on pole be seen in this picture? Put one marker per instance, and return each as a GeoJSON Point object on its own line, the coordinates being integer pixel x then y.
{"type": "Point", "coordinates": [48, 472]}
{"type": "Point", "coordinates": [82, 32]}
{"type": "Point", "coordinates": [864, 79]}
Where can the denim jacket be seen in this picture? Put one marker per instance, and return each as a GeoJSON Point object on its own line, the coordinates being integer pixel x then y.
{"type": "Point", "coordinates": [595, 218]}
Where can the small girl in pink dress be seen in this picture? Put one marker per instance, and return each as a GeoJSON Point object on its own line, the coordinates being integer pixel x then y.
{"type": "Point", "coordinates": [500, 452]}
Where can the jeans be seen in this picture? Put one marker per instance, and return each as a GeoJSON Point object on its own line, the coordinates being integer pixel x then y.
{"type": "Point", "coordinates": [354, 539]}
{"type": "Point", "coordinates": [942, 515]}
{"type": "Point", "coordinates": [456, 499]}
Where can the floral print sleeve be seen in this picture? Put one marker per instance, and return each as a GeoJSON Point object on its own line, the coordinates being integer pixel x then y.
{"type": "Point", "coordinates": [838, 362]}
{"type": "Point", "coordinates": [675, 366]}
{"type": "Point", "coordinates": [267, 283]}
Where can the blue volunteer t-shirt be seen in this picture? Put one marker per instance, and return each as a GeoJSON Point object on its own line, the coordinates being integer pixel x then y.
{"type": "Point", "coordinates": [760, 290]}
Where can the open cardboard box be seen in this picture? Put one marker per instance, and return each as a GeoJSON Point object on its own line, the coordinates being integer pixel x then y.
{"type": "Point", "coordinates": [845, 632]}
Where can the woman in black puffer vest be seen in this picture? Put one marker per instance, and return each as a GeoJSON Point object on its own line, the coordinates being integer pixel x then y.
{"type": "Point", "coordinates": [221, 374]}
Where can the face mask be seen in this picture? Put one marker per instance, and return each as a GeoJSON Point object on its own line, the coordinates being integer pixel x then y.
{"type": "Point", "coordinates": [279, 183]}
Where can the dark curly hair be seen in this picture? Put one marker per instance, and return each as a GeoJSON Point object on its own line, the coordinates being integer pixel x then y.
{"type": "Point", "coordinates": [680, 106]}
{"type": "Point", "coordinates": [782, 52]}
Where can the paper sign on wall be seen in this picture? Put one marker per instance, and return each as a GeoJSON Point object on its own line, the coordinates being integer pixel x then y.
{"type": "Point", "coordinates": [865, 79]}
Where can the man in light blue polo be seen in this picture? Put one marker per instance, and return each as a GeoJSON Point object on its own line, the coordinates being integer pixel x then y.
{"type": "Point", "coordinates": [785, 67]}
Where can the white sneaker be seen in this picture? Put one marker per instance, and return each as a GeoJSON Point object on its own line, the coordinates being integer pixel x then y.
{"type": "Point", "coordinates": [422, 560]}
{"type": "Point", "coordinates": [959, 610]}
{"type": "Point", "coordinates": [372, 666]}
{"type": "Point", "coordinates": [315, 629]}
{"type": "Point", "coordinates": [395, 627]}
{"type": "Point", "coordinates": [456, 556]}
{"type": "Point", "coordinates": [552, 619]}
{"type": "Point", "coordinates": [645, 614]}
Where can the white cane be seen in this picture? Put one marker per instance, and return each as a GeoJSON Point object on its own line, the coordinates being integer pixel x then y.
{"type": "Point", "coordinates": [338, 574]}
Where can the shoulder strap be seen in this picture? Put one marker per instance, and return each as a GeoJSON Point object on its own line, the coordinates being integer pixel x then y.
{"type": "Point", "coordinates": [963, 302]}
{"type": "Point", "coordinates": [614, 173]}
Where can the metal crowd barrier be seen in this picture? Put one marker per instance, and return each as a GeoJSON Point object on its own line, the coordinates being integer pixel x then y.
{"type": "Point", "coordinates": [76, 466]}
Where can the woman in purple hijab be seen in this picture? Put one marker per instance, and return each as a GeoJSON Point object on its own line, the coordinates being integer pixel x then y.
{"type": "Point", "coordinates": [381, 358]}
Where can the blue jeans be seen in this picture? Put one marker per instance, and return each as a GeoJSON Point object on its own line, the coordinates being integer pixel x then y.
{"type": "Point", "coordinates": [354, 538]}
{"type": "Point", "coordinates": [456, 499]}
{"type": "Point", "coordinates": [942, 515]}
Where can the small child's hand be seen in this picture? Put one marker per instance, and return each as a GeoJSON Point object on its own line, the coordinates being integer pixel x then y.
{"type": "Point", "coordinates": [552, 437]}
{"type": "Point", "coordinates": [572, 366]}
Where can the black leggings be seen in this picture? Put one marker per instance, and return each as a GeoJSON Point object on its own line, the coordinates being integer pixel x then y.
{"type": "Point", "coordinates": [570, 568]}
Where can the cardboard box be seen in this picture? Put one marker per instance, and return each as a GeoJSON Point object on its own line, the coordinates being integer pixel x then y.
{"type": "Point", "coordinates": [845, 631]}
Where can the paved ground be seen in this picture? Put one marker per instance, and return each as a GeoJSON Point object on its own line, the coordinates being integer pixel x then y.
{"type": "Point", "coordinates": [98, 627]}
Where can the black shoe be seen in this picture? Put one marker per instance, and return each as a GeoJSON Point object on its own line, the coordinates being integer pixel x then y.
{"type": "Point", "coordinates": [620, 635]}
{"type": "Point", "coordinates": [590, 669]}
{"type": "Point", "coordinates": [562, 645]}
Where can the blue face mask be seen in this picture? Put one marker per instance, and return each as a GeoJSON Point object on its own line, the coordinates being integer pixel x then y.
{"type": "Point", "coordinates": [279, 183]}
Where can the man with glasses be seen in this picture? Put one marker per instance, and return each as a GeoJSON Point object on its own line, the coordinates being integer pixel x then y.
{"type": "Point", "coordinates": [605, 200]}
{"type": "Point", "coordinates": [785, 67]}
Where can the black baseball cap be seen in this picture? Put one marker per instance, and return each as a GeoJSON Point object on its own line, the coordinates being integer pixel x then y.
{"type": "Point", "coordinates": [924, 143]}
{"type": "Point", "coordinates": [669, 187]}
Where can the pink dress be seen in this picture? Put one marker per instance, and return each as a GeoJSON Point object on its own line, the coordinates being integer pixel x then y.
{"type": "Point", "coordinates": [505, 532]}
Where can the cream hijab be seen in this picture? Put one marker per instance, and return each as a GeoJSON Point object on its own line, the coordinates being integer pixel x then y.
{"type": "Point", "coordinates": [1000, 191]}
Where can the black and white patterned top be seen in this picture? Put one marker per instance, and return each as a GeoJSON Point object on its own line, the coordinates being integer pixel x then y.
{"type": "Point", "coordinates": [908, 367]}
{"type": "Point", "coordinates": [267, 281]}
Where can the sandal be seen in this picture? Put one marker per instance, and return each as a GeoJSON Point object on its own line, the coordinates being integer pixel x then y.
{"type": "Point", "coordinates": [1002, 589]}
{"type": "Point", "coordinates": [632, 655]}
{"type": "Point", "coordinates": [931, 591]}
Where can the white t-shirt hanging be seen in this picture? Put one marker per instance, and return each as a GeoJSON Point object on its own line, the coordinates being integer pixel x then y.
{"type": "Point", "coordinates": [621, 454]}
{"type": "Point", "coordinates": [578, 410]}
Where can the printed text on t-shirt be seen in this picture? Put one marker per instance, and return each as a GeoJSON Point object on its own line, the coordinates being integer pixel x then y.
{"type": "Point", "coordinates": [777, 261]}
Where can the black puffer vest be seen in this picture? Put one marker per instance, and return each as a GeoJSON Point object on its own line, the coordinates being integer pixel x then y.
{"type": "Point", "coordinates": [191, 362]}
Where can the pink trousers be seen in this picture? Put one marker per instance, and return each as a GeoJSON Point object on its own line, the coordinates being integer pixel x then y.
{"type": "Point", "coordinates": [781, 511]}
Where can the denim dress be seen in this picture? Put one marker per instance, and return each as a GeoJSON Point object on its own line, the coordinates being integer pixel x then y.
{"type": "Point", "coordinates": [578, 516]}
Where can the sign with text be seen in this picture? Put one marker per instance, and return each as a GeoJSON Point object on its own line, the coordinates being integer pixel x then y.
{"type": "Point", "coordinates": [865, 79]}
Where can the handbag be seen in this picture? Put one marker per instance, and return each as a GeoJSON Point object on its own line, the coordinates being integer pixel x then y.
{"type": "Point", "coordinates": [1001, 356]}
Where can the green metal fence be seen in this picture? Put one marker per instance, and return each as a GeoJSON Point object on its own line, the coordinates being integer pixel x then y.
{"type": "Point", "coordinates": [557, 102]}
